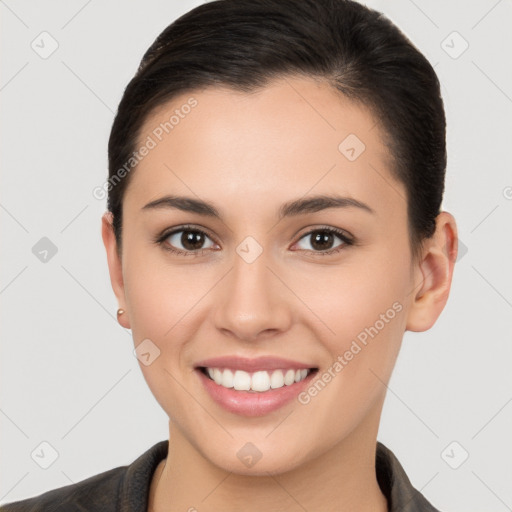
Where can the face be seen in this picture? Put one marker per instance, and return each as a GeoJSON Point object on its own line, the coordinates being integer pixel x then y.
{"type": "Point", "coordinates": [265, 281]}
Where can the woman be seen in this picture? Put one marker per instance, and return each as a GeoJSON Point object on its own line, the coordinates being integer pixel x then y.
{"type": "Point", "coordinates": [276, 172]}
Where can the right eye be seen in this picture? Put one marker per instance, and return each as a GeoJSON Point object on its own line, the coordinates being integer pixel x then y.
{"type": "Point", "coordinates": [187, 241]}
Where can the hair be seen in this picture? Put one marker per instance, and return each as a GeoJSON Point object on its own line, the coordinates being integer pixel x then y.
{"type": "Point", "coordinates": [245, 44]}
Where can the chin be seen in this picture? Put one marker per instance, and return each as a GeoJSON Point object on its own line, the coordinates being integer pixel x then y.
{"type": "Point", "coordinates": [276, 463]}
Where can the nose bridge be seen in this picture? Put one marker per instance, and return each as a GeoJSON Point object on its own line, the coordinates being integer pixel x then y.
{"type": "Point", "coordinates": [250, 300]}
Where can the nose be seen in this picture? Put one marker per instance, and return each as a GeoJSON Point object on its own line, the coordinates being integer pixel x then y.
{"type": "Point", "coordinates": [252, 301]}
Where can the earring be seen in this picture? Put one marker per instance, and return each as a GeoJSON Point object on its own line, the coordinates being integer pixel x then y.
{"type": "Point", "coordinates": [120, 312]}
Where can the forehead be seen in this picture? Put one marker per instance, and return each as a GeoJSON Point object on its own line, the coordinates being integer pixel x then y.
{"type": "Point", "coordinates": [278, 142]}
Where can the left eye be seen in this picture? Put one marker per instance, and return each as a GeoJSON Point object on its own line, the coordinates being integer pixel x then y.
{"type": "Point", "coordinates": [322, 240]}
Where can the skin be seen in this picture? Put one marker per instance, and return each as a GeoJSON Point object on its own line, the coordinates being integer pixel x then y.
{"type": "Point", "coordinates": [248, 154]}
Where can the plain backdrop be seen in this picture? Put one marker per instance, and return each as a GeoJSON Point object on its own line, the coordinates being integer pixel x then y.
{"type": "Point", "coordinates": [69, 378]}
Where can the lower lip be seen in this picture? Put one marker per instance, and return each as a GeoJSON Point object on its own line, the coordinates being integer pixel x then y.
{"type": "Point", "coordinates": [247, 403]}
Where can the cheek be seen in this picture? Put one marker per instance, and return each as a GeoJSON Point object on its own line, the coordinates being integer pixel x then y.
{"type": "Point", "coordinates": [166, 307]}
{"type": "Point", "coordinates": [345, 300]}
{"type": "Point", "coordinates": [161, 302]}
{"type": "Point", "coordinates": [371, 302]}
{"type": "Point", "coordinates": [362, 308]}
{"type": "Point", "coordinates": [160, 295]}
{"type": "Point", "coordinates": [368, 321]}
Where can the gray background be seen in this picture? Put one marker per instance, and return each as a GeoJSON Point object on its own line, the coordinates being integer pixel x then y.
{"type": "Point", "coordinates": [68, 374]}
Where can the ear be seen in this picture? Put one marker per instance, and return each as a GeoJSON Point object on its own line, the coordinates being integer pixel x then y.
{"type": "Point", "coordinates": [433, 275]}
{"type": "Point", "coordinates": [114, 266]}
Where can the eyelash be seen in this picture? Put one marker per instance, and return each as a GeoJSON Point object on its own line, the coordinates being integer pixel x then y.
{"type": "Point", "coordinates": [161, 240]}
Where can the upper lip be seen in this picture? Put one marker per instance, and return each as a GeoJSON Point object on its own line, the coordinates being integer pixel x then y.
{"type": "Point", "coordinates": [253, 364]}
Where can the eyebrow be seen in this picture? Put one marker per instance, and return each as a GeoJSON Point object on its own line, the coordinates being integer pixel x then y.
{"type": "Point", "coordinates": [292, 208]}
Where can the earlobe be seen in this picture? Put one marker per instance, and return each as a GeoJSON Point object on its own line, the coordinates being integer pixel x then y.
{"type": "Point", "coordinates": [434, 275]}
{"type": "Point", "coordinates": [114, 266]}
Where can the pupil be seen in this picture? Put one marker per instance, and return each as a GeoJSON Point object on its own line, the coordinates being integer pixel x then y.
{"type": "Point", "coordinates": [192, 240]}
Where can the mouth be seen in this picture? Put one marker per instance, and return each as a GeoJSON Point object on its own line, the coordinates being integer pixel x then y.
{"type": "Point", "coordinates": [253, 387]}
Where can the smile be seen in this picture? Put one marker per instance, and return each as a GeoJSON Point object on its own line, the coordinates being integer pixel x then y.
{"type": "Point", "coordinates": [253, 386]}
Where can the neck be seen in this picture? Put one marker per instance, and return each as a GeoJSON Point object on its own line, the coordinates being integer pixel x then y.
{"type": "Point", "coordinates": [341, 479]}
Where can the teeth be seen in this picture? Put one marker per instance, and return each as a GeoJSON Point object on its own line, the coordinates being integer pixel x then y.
{"type": "Point", "coordinates": [217, 376]}
{"type": "Point", "coordinates": [289, 378]}
{"type": "Point", "coordinates": [241, 381]}
{"type": "Point", "coordinates": [227, 379]}
{"type": "Point", "coordinates": [277, 380]}
{"type": "Point", "coordinates": [259, 381]}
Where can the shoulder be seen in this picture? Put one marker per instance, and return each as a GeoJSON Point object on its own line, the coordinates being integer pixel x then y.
{"type": "Point", "coordinates": [98, 492]}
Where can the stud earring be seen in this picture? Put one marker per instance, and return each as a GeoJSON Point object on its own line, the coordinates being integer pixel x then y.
{"type": "Point", "coordinates": [120, 312]}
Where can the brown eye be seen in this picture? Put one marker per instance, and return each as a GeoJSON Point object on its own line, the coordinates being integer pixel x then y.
{"type": "Point", "coordinates": [323, 241]}
{"type": "Point", "coordinates": [188, 240]}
